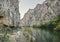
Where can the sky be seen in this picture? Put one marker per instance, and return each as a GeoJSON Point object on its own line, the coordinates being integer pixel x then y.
{"type": "Point", "coordinates": [25, 5]}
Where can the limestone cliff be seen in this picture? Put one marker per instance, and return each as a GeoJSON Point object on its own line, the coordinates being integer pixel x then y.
{"type": "Point", "coordinates": [42, 13]}
{"type": "Point", "coordinates": [9, 12]}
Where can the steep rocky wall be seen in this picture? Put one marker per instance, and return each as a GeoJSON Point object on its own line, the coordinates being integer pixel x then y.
{"type": "Point", "coordinates": [42, 13]}
{"type": "Point", "coordinates": [9, 9]}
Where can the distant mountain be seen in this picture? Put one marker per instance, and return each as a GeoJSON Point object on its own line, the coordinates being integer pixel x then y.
{"type": "Point", "coordinates": [42, 13]}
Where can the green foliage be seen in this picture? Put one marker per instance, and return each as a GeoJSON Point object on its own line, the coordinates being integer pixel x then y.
{"type": "Point", "coordinates": [5, 37]}
{"type": "Point", "coordinates": [36, 26]}
{"type": "Point", "coordinates": [29, 30]}
{"type": "Point", "coordinates": [50, 25]}
{"type": "Point", "coordinates": [57, 27]}
{"type": "Point", "coordinates": [20, 27]}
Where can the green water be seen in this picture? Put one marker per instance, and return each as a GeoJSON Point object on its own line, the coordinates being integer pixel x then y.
{"type": "Point", "coordinates": [42, 35]}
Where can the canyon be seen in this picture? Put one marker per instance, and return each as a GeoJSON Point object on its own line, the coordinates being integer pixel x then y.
{"type": "Point", "coordinates": [41, 14]}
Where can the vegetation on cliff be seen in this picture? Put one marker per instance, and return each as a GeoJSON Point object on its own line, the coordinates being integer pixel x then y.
{"type": "Point", "coordinates": [4, 37]}
{"type": "Point", "coordinates": [54, 24]}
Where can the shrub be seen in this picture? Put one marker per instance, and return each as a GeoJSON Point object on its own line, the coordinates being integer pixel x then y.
{"type": "Point", "coordinates": [5, 37]}
{"type": "Point", "coordinates": [57, 27]}
{"type": "Point", "coordinates": [50, 25]}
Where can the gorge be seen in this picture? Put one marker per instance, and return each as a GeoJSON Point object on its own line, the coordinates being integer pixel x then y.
{"type": "Point", "coordinates": [41, 24]}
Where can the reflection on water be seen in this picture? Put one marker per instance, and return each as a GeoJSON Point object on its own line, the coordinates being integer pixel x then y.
{"type": "Point", "coordinates": [34, 35]}
{"type": "Point", "coordinates": [46, 35]}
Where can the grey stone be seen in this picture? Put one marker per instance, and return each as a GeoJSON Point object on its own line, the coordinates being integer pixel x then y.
{"type": "Point", "coordinates": [42, 13]}
{"type": "Point", "coordinates": [9, 9]}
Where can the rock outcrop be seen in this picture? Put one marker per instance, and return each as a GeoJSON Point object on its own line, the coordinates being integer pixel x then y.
{"type": "Point", "coordinates": [9, 12]}
{"type": "Point", "coordinates": [42, 13]}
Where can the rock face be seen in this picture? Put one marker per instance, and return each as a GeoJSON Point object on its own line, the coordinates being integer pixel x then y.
{"type": "Point", "coordinates": [9, 12]}
{"type": "Point", "coordinates": [42, 13]}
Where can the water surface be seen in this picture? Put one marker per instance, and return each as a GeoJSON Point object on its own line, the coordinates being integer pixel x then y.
{"type": "Point", "coordinates": [43, 35]}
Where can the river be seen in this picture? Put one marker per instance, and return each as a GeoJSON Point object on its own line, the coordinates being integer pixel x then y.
{"type": "Point", "coordinates": [43, 35]}
{"type": "Point", "coordinates": [28, 34]}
